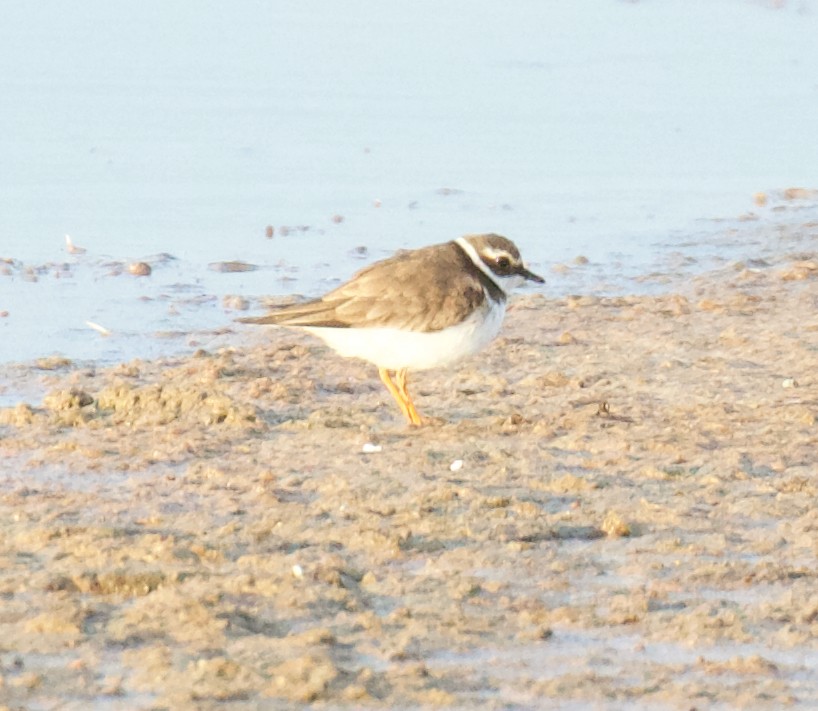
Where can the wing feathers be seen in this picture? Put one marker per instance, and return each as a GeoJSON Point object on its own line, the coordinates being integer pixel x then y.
{"type": "Point", "coordinates": [411, 290]}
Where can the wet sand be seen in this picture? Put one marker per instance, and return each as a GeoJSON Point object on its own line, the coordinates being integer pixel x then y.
{"type": "Point", "coordinates": [619, 510]}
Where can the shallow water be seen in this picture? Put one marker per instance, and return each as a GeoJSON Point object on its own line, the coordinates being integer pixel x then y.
{"type": "Point", "coordinates": [607, 130]}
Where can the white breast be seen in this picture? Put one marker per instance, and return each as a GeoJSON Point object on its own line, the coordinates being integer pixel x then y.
{"type": "Point", "coordinates": [394, 349]}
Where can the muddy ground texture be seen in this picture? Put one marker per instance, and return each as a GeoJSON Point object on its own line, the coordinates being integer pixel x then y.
{"type": "Point", "coordinates": [621, 508]}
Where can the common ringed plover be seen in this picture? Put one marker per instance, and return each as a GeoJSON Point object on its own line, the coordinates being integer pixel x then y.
{"type": "Point", "coordinates": [419, 309]}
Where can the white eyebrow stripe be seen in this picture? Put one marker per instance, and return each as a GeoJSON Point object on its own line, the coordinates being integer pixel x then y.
{"type": "Point", "coordinates": [463, 243]}
{"type": "Point", "coordinates": [492, 253]}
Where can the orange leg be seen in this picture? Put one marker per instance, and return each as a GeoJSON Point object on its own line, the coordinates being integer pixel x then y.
{"type": "Point", "coordinates": [411, 412]}
{"type": "Point", "coordinates": [399, 393]}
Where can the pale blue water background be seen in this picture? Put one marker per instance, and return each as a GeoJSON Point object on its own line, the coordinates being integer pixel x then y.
{"type": "Point", "coordinates": [611, 129]}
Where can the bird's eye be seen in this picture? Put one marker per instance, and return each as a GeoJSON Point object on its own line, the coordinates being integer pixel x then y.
{"type": "Point", "coordinates": [503, 263]}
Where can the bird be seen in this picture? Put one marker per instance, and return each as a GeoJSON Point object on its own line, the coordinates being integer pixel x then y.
{"type": "Point", "coordinates": [416, 310]}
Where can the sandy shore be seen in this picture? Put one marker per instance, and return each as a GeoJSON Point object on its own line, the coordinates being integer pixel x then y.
{"type": "Point", "coordinates": [620, 510]}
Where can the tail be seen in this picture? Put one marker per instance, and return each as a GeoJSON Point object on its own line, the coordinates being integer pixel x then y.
{"type": "Point", "coordinates": [261, 320]}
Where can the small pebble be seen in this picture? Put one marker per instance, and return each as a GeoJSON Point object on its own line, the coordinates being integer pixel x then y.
{"type": "Point", "coordinates": [800, 194]}
{"type": "Point", "coordinates": [140, 269]}
{"type": "Point", "coordinates": [789, 383]}
{"type": "Point", "coordinates": [370, 448]}
{"type": "Point", "coordinates": [269, 231]}
{"type": "Point", "coordinates": [456, 465]}
{"type": "Point", "coordinates": [72, 248]}
{"type": "Point", "coordinates": [235, 302]}
{"type": "Point", "coordinates": [298, 571]}
{"type": "Point", "coordinates": [231, 267]}
{"type": "Point", "coordinates": [337, 219]}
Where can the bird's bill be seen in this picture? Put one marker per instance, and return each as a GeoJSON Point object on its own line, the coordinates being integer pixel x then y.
{"type": "Point", "coordinates": [530, 276]}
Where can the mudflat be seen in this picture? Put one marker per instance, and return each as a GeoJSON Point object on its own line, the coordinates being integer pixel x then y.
{"type": "Point", "coordinates": [620, 508]}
